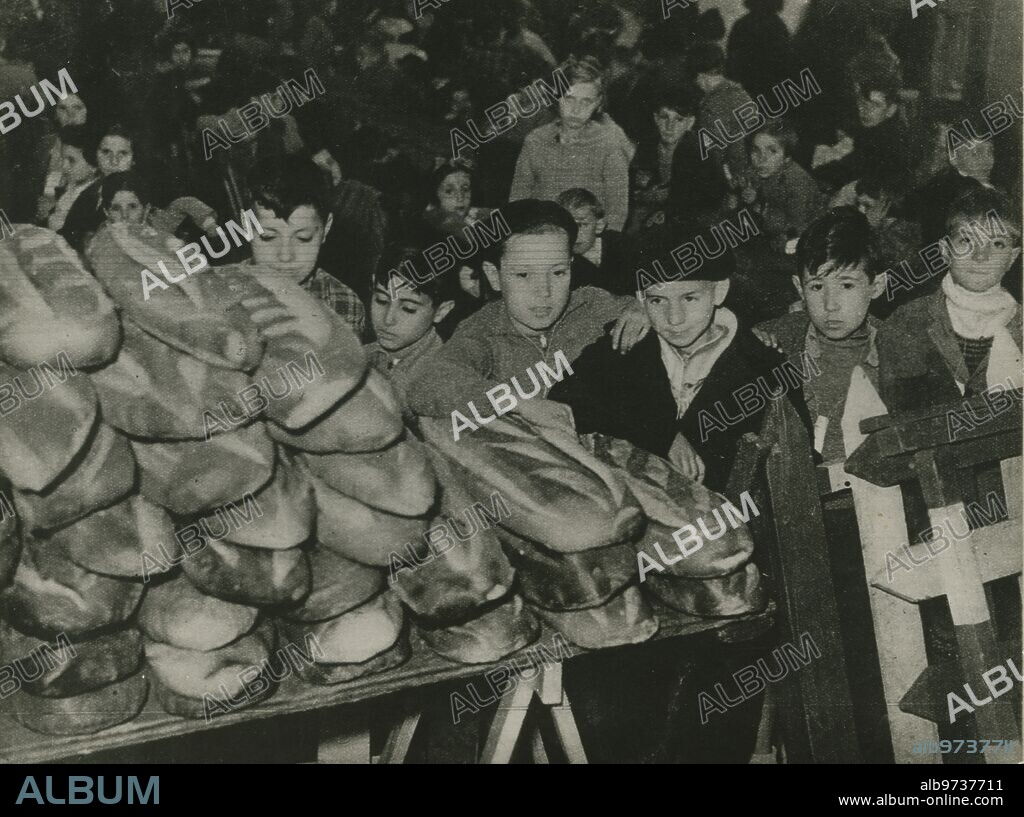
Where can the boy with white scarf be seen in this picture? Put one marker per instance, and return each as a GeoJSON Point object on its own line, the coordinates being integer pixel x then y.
{"type": "Point", "coordinates": [966, 337]}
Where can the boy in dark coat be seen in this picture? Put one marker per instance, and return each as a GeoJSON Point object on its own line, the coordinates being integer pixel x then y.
{"type": "Point", "coordinates": [690, 390]}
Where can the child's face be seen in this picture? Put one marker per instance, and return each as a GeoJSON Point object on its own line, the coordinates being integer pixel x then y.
{"type": "Point", "coordinates": [181, 56]}
{"type": "Point", "coordinates": [469, 282]}
{"type": "Point", "coordinates": [70, 111]}
{"type": "Point", "coordinates": [590, 227]}
{"type": "Point", "coordinates": [290, 247]}
{"type": "Point", "coordinates": [114, 155]}
{"type": "Point", "coordinates": [454, 194]}
{"type": "Point", "coordinates": [874, 109]}
{"type": "Point", "coordinates": [975, 161]}
{"type": "Point", "coordinates": [985, 259]}
{"type": "Point", "coordinates": [76, 169]}
{"type": "Point", "coordinates": [671, 125]}
{"type": "Point", "coordinates": [875, 210]}
{"type": "Point", "coordinates": [682, 311]}
{"type": "Point", "coordinates": [766, 155]}
{"type": "Point", "coordinates": [579, 104]}
{"type": "Point", "coordinates": [837, 299]}
{"type": "Point", "coordinates": [126, 207]}
{"type": "Point", "coordinates": [534, 278]}
{"type": "Point", "coordinates": [401, 320]}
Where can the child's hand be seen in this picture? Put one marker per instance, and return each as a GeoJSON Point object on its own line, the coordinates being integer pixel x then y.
{"type": "Point", "coordinates": [749, 195]}
{"type": "Point", "coordinates": [631, 328]}
{"type": "Point", "coordinates": [767, 338]}
{"type": "Point", "coordinates": [683, 457]}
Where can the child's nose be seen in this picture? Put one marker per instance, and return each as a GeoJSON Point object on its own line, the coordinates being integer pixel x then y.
{"type": "Point", "coordinates": [285, 252]}
{"type": "Point", "coordinates": [982, 252]}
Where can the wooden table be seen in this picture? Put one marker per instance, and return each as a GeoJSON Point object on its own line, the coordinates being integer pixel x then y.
{"type": "Point", "coordinates": [20, 745]}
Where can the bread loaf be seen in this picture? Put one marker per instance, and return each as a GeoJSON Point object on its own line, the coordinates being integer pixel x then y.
{"type": "Point", "coordinates": [499, 630]}
{"type": "Point", "coordinates": [44, 422]}
{"type": "Point", "coordinates": [176, 613]}
{"type": "Point", "coordinates": [50, 305]}
{"type": "Point", "coordinates": [83, 714]}
{"type": "Point", "coordinates": [398, 479]}
{"type": "Point", "coordinates": [246, 575]}
{"type": "Point", "coordinates": [338, 585]}
{"type": "Point", "coordinates": [104, 476]}
{"type": "Point", "coordinates": [624, 619]}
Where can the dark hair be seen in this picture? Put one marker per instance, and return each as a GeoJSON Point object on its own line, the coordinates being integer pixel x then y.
{"type": "Point", "coordinates": [883, 79]}
{"type": "Point", "coordinates": [532, 217]}
{"type": "Point", "coordinates": [445, 170]}
{"type": "Point", "coordinates": [710, 25]}
{"type": "Point", "coordinates": [394, 262]}
{"type": "Point", "coordinates": [131, 181]}
{"type": "Point", "coordinates": [980, 204]}
{"type": "Point", "coordinates": [680, 97]}
{"type": "Point", "coordinates": [578, 197]}
{"type": "Point", "coordinates": [878, 184]}
{"type": "Point", "coordinates": [781, 131]}
{"type": "Point", "coordinates": [707, 58]}
{"type": "Point", "coordinates": [101, 133]}
{"type": "Point", "coordinates": [286, 183]}
{"type": "Point", "coordinates": [656, 261]}
{"type": "Point", "coordinates": [843, 237]}
{"type": "Point", "coordinates": [765, 6]}
{"type": "Point", "coordinates": [81, 137]}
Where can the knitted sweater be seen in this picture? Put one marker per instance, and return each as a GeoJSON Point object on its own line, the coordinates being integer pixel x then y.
{"type": "Point", "coordinates": [598, 161]}
{"type": "Point", "coordinates": [487, 350]}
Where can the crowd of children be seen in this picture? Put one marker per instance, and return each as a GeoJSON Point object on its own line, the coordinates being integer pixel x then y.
{"type": "Point", "coordinates": [642, 155]}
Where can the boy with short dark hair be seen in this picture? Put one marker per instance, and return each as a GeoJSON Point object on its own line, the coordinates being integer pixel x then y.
{"type": "Point", "coordinates": [965, 337]}
{"type": "Point", "coordinates": [880, 143]}
{"type": "Point", "coordinates": [597, 255]}
{"type": "Point", "coordinates": [690, 390]}
{"type": "Point", "coordinates": [290, 201]}
{"type": "Point", "coordinates": [405, 315]}
{"type": "Point", "coordinates": [840, 273]}
{"type": "Point", "coordinates": [537, 318]}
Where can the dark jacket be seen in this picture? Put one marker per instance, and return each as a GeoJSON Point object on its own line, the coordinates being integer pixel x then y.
{"type": "Point", "coordinates": [883, 149]}
{"type": "Point", "coordinates": [612, 274]}
{"type": "Point", "coordinates": [919, 360]}
{"type": "Point", "coordinates": [629, 397]}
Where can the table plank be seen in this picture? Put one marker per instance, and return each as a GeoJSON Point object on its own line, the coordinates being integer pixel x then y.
{"type": "Point", "coordinates": [424, 668]}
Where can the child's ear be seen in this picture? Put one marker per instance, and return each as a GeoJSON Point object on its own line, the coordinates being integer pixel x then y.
{"type": "Point", "coordinates": [493, 278]}
{"type": "Point", "coordinates": [602, 225]}
{"type": "Point", "coordinates": [879, 284]}
{"type": "Point", "coordinates": [798, 285]}
{"type": "Point", "coordinates": [442, 311]}
{"type": "Point", "coordinates": [328, 224]}
{"type": "Point", "coordinates": [1016, 255]}
{"type": "Point", "coordinates": [721, 290]}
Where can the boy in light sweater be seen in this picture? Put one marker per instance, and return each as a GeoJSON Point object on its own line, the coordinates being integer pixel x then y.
{"type": "Point", "coordinates": [537, 318]}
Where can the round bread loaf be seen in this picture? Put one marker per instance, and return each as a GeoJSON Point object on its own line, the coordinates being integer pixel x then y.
{"type": "Point", "coordinates": [329, 674]}
{"type": "Point", "coordinates": [624, 619]}
{"type": "Point", "coordinates": [83, 714]}
{"type": "Point", "coordinates": [498, 631]}
{"type": "Point", "coordinates": [353, 637]}
{"type": "Point", "coordinates": [245, 575]}
{"type": "Point", "coordinates": [113, 541]}
{"type": "Point", "coordinates": [177, 614]}
{"type": "Point", "coordinates": [194, 477]}
{"type": "Point", "coordinates": [369, 419]}
{"type": "Point", "coordinates": [338, 585]}
{"type": "Point", "coordinates": [62, 668]}
{"type": "Point", "coordinates": [51, 305]}
{"type": "Point", "coordinates": [282, 516]}
{"type": "Point", "coordinates": [737, 594]}
{"type": "Point", "coordinates": [569, 581]}
{"type": "Point", "coordinates": [398, 479]}
{"type": "Point", "coordinates": [51, 594]}
{"type": "Point", "coordinates": [104, 476]}
{"type": "Point", "coordinates": [203, 684]}
{"type": "Point", "coordinates": [360, 532]}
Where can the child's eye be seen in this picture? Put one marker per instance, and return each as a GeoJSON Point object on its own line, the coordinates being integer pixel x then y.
{"type": "Point", "coordinates": [520, 274]}
{"type": "Point", "coordinates": [410, 310]}
{"type": "Point", "coordinates": [999, 244]}
{"type": "Point", "coordinates": [815, 287]}
{"type": "Point", "coordinates": [654, 299]}
{"type": "Point", "coordinates": [560, 272]}
{"type": "Point", "coordinates": [381, 299]}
